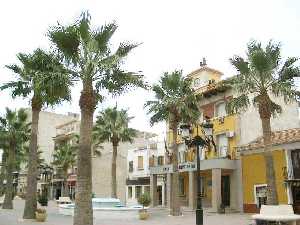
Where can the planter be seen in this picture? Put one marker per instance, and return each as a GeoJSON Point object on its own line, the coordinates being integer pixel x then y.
{"type": "Point", "coordinates": [40, 217]}
{"type": "Point", "coordinates": [143, 214]}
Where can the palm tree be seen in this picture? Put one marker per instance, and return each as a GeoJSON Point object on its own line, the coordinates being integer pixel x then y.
{"type": "Point", "coordinates": [87, 54]}
{"type": "Point", "coordinates": [43, 78]}
{"type": "Point", "coordinates": [262, 75]}
{"type": "Point", "coordinates": [112, 126]}
{"type": "Point", "coordinates": [64, 157]}
{"type": "Point", "coordinates": [175, 103]}
{"type": "Point", "coordinates": [14, 132]}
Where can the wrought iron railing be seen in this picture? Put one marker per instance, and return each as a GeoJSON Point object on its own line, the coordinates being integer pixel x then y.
{"type": "Point", "coordinates": [287, 173]}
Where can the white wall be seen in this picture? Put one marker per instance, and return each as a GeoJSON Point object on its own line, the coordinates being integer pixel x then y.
{"type": "Point", "coordinates": [250, 124]}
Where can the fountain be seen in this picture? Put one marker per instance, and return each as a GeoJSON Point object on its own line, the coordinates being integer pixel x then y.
{"type": "Point", "coordinates": [100, 204]}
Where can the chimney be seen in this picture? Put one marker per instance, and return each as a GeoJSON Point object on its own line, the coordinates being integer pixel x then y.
{"type": "Point", "coordinates": [203, 62]}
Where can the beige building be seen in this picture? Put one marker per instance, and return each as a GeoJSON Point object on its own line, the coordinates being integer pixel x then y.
{"type": "Point", "coordinates": [48, 122]}
{"type": "Point", "coordinates": [101, 167]}
{"type": "Point", "coordinates": [101, 163]}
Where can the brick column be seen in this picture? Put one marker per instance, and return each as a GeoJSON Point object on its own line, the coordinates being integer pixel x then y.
{"type": "Point", "coordinates": [169, 190]}
{"type": "Point", "coordinates": [216, 189]}
{"type": "Point", "coordinates": [153, 190]}
{"type": "Point", "coordinates": [192, 189]}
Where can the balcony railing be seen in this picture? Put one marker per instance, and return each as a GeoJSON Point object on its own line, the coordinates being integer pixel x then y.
{"type": "Point", "coordinates": [290, 174]}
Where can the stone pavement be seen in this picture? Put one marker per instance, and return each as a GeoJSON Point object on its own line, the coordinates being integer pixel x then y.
{"type": "Point", "coordinates": [157, 217]}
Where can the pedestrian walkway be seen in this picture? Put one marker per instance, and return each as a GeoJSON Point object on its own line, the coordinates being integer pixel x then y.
{"type": "Point", "coordinates": [157, 217]}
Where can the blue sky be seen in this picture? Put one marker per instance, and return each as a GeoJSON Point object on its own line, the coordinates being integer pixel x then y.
{"type": "Point", "coordinates": [175, 35]}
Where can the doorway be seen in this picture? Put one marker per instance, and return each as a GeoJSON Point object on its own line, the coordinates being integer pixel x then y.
{"type": "Point", "coordinates": [296, 198]}
{"type": "Point", "coordinates": [225, 190]}
{"type": "Point", "coordinates": [159, 192]}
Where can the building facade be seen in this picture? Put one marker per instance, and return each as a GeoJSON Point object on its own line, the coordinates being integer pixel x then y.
{"type": "Point", "coordinates": [224, 174]}
{"type": "Point", "coordinates": [65, 134]}
{"type": "Point", "coordinates": [101, 166]}
{"type": "Point", "coordinates": [139, 161]}
{"type": "Point", "coordinates": [220, 167]}
{"type": "Point", "coordinates": [286, 157]}
{"type": "Point", "coordinates": [48, 123]}
{"type": "Point", "coordinates": [101, 163]}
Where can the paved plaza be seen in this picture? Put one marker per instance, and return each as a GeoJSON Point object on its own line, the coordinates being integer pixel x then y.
{"type": "Point", "coordinates": [157, 217]}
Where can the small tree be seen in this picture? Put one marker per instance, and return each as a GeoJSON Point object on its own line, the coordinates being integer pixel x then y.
{"type": "Point", "coordinates": [144, 199]}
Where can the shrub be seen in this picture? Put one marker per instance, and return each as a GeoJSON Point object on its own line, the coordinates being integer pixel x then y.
{"type": "Point", "coordinates": [39, 210]}
{"type": "Point", "coordinates": [144, 199]}
{"type": "Point", "coordinates": [43, 199]}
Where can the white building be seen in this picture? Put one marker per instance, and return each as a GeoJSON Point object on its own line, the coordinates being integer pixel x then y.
{"type": "Point", "coordinates": [139, 160]}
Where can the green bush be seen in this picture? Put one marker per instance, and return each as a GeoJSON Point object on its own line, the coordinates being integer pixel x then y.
{"type": "Point", "coordinates": [43, 199]}
{"type": "Point", "coordinates": [144, 199]}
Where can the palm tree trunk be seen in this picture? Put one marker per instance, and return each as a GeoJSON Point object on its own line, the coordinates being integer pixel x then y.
{"type": "Point", "coordinates": [32, 173]}
{"type": "Point", "coordinates": [2, 174]}
{"type": "Point", "coordinates": [65, 192]}
{"type": "Point", "coordinates": [175, 207]}
{"type": "Point", "coordinates": [114, 171]}
{"type": "Point", "coordinates": [8, 199]}
{"type": "Point", "coordinates": [270, 171]}
{"type": "Point", "coordinates": [83, 201]}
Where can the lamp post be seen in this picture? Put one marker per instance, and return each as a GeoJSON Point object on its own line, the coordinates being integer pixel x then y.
{"type": "Point", "coordinates": [15, 181]}
{"type": "Point", "coordinates": [198, 141]}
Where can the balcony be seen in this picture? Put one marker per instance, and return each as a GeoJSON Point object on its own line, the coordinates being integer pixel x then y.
{"type": "Point", "coordinates": [290, 174]}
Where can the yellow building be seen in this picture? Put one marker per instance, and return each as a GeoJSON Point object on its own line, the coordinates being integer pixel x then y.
{"type": "Point", "coordinates": [220, 167]}
{"type": "Point", "coordinates": [286, 156]}
{"type": "Point", "coordinates": [233, 174]}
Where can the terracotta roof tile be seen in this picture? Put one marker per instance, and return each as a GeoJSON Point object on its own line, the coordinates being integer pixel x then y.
{"type": "Point", "coordinates": [278, 137]}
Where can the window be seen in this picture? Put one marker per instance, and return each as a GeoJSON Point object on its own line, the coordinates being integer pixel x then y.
{"type": "Point", "coordinates": [140, 163]}
{"type": "Point", "coordinates": [160, 160]}
{"type": "Point", "coordinates": [220, 109]}
{"type": "Point", "coordinates": [151, 161]}
{"type": "Point", "coordinates": [138, 191]}
{"type": "Point", "coordinates": [130, 166]}
{"type": "Point", "coordinates": [260, 194]}
{"type": "Point", "coordinates": [153, 146]}
{"type": "Point", "coordinates": [222, 145]}
{"type": "Point", "coordinates": [197, 82]}
{"type": "Point", "coordinates": [129, 191]}
{"type": "Point", "coordinates": [147, 189]}
{"type": "Point", "coordinates": [182, 156]}
{"type": "Point", "coordinates": [295, 155]}
{"type": "Point", "coordinates": [181, 186]}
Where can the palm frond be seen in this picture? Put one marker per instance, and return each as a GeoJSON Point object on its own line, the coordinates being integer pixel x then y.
{"type": "Point", "coordinates": [238, 104]}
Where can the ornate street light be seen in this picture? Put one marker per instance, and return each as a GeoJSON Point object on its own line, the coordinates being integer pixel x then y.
{"type": "Point", "coordinates": [15, 180]}
{"type": "Point", "coordinates": [198, 141]}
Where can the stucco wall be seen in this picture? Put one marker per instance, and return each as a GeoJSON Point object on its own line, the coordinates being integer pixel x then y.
{"type": "Point", "coordinates": [253, 169]}
{"type": "Point", "coordinates": [101, 167]}
{"type": "Point", "coordinates": [47, 130]}
{"type": "Point", "coordinates": [250, 124]}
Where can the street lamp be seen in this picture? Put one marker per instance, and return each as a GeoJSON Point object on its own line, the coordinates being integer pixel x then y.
{"type": "Point", "coordinates": [198, 141]}
{"type": "Point", "coordinates": [15, 180]}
